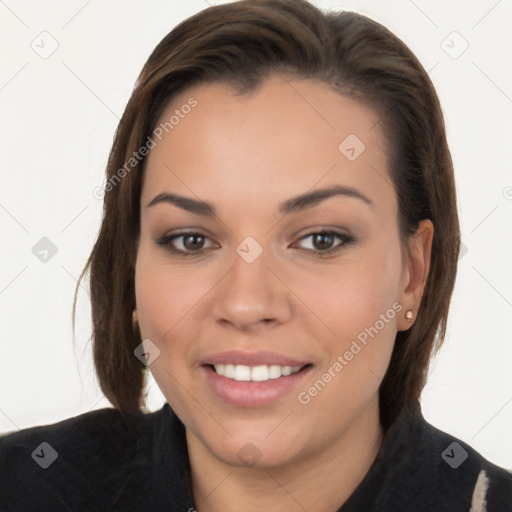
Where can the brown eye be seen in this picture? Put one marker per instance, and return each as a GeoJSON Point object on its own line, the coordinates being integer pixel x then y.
{"type": "Point", "coordinates": [193, 242]}
{"type": "Point", "coordinates": [186, 243]}
{"type": "Point", "coordinates": [324, 242]}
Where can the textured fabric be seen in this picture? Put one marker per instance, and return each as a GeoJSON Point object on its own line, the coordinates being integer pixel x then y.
{"type": "Point", "coordinates": [100, 461]}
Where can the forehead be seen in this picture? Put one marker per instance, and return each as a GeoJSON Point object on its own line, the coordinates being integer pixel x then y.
{"type": "Point", "coordinates": [287, 136]}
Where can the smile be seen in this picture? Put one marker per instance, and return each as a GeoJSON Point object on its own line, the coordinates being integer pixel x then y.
{"type": "Point", "coordinates": [261, 373]}
{"type": "Point", "coordinates": [253, 386]}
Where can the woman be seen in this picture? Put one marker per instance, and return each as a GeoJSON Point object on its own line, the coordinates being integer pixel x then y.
{"type": "Point", "coordinates": [279, 248]}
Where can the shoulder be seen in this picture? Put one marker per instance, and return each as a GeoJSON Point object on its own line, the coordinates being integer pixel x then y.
{"type": "Point", "coordinates": [451, 474]}
{"type": "Point", "coordinates": [90, 456]}
{"type": "Point", "coordinates": [488, 486]}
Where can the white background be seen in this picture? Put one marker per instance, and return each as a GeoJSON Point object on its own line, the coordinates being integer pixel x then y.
{"type": "Point", "coordinates": [58, 116]}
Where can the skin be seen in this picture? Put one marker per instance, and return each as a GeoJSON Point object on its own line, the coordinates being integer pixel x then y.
{"type": "Point", "coordinates": [246, 155]}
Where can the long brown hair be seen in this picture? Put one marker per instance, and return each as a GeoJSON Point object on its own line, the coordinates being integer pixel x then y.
{"type": "Point", "coordinates": [241, 44]}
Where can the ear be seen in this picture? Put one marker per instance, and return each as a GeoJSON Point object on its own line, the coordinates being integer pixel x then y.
{"type": "Point", "coordinates": [416, 266]}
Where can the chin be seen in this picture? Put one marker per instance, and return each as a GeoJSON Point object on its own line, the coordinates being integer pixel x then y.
{"type": "Point", "coordinates": [260, 443]}
{"type": "Point", "coordinates": [256, 453]}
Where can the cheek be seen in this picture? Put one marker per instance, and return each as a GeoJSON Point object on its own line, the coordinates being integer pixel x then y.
{"type": "Point", "coordinates": [359, 304]}
{"type": "Point", "coordinates": [162, 299]}
{"type": "Point", "coordinates": [352, 295]}
{"type": "Point", "coordinates": [163, 293]}
{"type": "Point", "coordinates": [357, 300]}
{"type": "Point", "coordinates": [157, 291]}
{"type": "Point", "coordinates": [170, 300]}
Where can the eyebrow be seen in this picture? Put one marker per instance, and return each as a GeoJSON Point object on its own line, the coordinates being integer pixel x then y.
{"type": "Point", "coordinates": [293, 205]}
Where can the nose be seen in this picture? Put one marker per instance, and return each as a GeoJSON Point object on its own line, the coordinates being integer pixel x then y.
{"type": "Point", "coordinates": [252, 295]}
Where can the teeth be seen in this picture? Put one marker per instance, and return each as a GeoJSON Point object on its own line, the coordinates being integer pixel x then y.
{"type": "Point", "coordinates": [274, 371]}
{"type": "Point", "coordinates": [261, 373]}
{"type": "Point", "coordinates": [242, 372]}
{"type": "Point", "coordinates": [229, 370]}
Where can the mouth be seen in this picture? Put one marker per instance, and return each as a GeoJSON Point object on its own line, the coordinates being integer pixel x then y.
{"type": "Point", "coordinates": [242, 385]}
{"type": "Point", "coordinates": [260, 373]}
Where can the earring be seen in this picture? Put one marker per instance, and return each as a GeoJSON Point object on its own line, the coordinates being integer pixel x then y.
{"type": "Point", "coordinates": [409, 315]}
{"type": "Point", "coordinates": [134, 320]}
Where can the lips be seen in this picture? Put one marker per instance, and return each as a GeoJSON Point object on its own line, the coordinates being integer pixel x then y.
{"type": "Point", "coordinates": [253, 379]}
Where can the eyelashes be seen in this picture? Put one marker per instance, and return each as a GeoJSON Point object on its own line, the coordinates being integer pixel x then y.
{"type": "Point", "coordinates": [189, 240]}
{"type": "Point", "coordinates": [326, 238]}
{"type": "Point", "coordinates": [321, 243]}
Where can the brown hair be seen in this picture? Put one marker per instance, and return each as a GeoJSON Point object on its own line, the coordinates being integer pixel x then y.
{"type": "Point", "coordinates": [240, 44]}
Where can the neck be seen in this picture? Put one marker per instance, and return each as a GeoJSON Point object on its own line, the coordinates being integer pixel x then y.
{"type": "Point", "coordinates": [318, 483]}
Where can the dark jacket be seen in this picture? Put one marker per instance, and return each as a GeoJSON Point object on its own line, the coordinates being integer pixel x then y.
{"type": "Point", "coordinates": [100, 461]}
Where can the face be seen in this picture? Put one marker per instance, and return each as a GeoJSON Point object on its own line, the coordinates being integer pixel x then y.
{"type": "Point", "coordinates": [269, 272]}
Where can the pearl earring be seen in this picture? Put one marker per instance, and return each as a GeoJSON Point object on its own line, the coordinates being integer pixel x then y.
{"type": "Point", "coordinates": [409, 315]}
